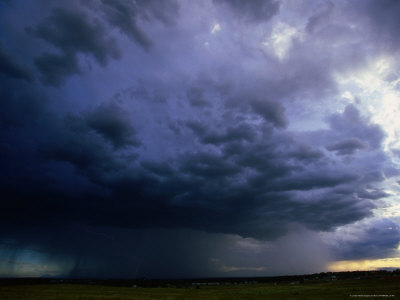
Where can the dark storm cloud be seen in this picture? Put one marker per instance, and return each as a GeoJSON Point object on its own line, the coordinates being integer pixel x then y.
{"type": "Point", "coordinates": [56, 68]}
{"type": "Point", "coordinates": [11, 66]}
{"type": "Point", "coordinates": [238, 133]}
{"type": "Point", "coordinates": [316, 20]}
{"type": "Point", "coordinates": [348, 146]}
{"type": "Point", "coordinates": [8, 2]}
{"type": "Point", "coordinates": [381, 18]}
{"type": "Point", "coordinates": [165, 11]}
{"type": "Point", "coordinates": [252, 191]}
{"type": "Point", "coordinates": [72, 33]}
{"type": "Point", "coordinates": [76, 143]}
{"type": "Point", "coordinates": [253, 185]}
{"type": "Point", "coordinates": [125, 15]}
{"type": "Point", "coordinates": [304, 152]}
{"type": "Point", "coordinates": [370, 241]}
{"type": "Point", "coordinates": [271, 111]}
{"type": "Point", "coordinates": [25, 124]}
{"type": "Point", "coordinates": [208, 166]}
{"type": "Point", "coordinates": [22, 105]}
{"type": "Point", "coordinates": [199, 191]}
{"type": "Point", "coordinates": [75, 32]}
{"type": "Point", "coordinates": [122, 14]}
{"type": "Point", "coordinates": [90, 142]}
{"type": "Point", "coordinates": [113, 124]}
{"type": "Point", "coordinates": [196, 97]}
{"type": "Point", "coordinates": [373, 193]}
{"type": "Point", "coordinates": [349, 133]}
{"type": "Point", "coordinates": [252, 11]}
{"type": "Point", "coordinates": [308, 181]}
{"type": "Point", "coordinates": [351, 124]}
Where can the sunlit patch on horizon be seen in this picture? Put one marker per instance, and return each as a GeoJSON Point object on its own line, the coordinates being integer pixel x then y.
{"type": "Point", "coordinates": [364, 265]}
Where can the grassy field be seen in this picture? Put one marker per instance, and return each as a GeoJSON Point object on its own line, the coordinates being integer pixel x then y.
{"type": "Point", "coordinates": [346, 289]}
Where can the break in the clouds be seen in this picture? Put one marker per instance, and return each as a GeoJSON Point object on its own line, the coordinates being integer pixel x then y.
{"type": "Point", "coordinates": [175, 138]}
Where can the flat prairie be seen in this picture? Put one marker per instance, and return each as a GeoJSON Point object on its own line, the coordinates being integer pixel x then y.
{"type": "Point", "coordinates": [372, 288]}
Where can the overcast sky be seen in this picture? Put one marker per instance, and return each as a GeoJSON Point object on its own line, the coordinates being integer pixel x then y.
{"type": "Point", "coordinates": [156, 138]}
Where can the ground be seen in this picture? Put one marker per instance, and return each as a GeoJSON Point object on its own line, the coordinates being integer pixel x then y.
{"type": "Point", "coordinates": [373, 288]}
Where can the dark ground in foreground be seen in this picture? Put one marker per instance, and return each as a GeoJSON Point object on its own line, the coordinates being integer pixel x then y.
{"type": "Point", "coordinates": [371, 287]}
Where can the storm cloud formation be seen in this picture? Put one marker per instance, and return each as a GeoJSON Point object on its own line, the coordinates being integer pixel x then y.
{"type": "Point", "coordinates": [71, 33]}
{"type": "Point", "coordinates": [10, 66]}
{"type": "Point", "coordinates": [254, 11]}
{"type": "Point", "coordinates": [125, 14]}
{"type": "Point", "coordinates": [187, 148]}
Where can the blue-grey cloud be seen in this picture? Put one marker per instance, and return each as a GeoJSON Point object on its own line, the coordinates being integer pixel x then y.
{"type": "Point", "coordinates": [253, 11]}
{"type": "Point", "coordinates": [379, 239]}
{"type": "Point", "coordinates": [125, 15]}
{"type": "Point", "coordinates": [72, 33]}
{"type": "Point", "coordinates": [112, 123]}
{"type": "Point", "coordinates": [11, 66]}
{"type": "Point", "coordinates": [348, 146]}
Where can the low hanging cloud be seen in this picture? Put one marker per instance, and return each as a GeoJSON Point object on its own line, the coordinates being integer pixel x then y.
{"type": "Point", "coordinates": [375, 239]}
{"type": "Point", "coordinates": [254, 181]}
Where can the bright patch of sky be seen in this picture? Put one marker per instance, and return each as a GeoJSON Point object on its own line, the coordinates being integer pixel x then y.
{"type": "Point", "coordinates": [364, 265]}
{"type": "Point", "coordinates": [374, 90]}
{"type": "Point", "coordinates": [215, 28]}
{"type": "Point", "coordinates": [280, 40]}
{"type": "Point", "coordinates": [376, 87]}
{"type": "Point", "coordinates": [31, 263]}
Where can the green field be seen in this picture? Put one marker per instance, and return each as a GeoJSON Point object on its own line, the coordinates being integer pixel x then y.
{"type": "Point", "coordinates": [377, 288]}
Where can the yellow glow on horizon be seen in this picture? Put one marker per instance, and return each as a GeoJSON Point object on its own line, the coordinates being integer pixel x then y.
{"type": "Point", "coordinates": [364, 265]}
